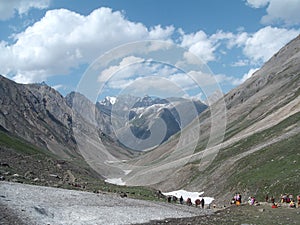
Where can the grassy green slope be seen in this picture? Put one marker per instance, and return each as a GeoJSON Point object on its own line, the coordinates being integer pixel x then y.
{"type": "Point", "coordinates": [273, 170]}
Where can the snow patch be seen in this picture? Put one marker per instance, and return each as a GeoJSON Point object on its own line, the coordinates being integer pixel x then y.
{"type": "Point", "coordinates": [192, 195]}
{"type": "Point", "coordinates": [117, 181]}
{"type": "Point", "coordinates": [127, 171]}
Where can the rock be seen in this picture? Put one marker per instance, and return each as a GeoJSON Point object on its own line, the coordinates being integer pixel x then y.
{"type": "Point", "coordinates": [59, 166]}
{"type": "Point", "coordinates": [123, 195]}
{"type": "Point", "coordinates": [2, 178]}
{"type": "Point", "coordinates": [28, 174]}
{"type": "Point", "coordinates": [55, 175]}
{"type": "Point", "coordinates": [4, 164]}
{"type": "Point", "coordinates": [261, 210]}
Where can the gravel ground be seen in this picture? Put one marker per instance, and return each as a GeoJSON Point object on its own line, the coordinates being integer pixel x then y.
{"type": "Point", "coordinates": [245, 214]}
{"type": "Point", "coordinates": [29, 204]}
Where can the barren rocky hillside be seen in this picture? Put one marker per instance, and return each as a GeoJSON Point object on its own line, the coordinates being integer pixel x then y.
{"type": "Point", "coordinates": [260, 150]}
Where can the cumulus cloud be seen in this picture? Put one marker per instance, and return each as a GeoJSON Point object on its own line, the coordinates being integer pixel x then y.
{"type": "Point", "coordinates": [132, 69]}
{"type": "Point", "coordinates": [63, 40]}
{"type": "Point", "coordinates": [140, 77]}
{"type": "Point", "coordinates": [263, 44]}
{"type": "Point", "coordinates": [241, 62]}
{"type": "Point", "coordinates": [124, 64]}
{"type": "Point", "coordinates": [199, 44]}
{"type": "Point", "coordinates": [8, 8]}
{"type": "Point", "coordinates": [286, 12]}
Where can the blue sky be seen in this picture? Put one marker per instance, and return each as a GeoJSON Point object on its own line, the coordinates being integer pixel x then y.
{"type": "Point", "coordinates": [57, 40]}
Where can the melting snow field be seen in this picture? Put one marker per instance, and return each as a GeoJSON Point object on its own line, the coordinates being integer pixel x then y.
{"type": "Point", "coordinates": [55, 206]}
{"type": "Point", "coordinates": [192, 195]}
{"type": "Point", "coordinates": [185, 194]}
{"type": "Point", "coordinates": [117, 181]}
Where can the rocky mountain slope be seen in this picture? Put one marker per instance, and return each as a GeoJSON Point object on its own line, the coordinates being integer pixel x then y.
{"type": "Point", "coordinates": [75, 128]}
{"type": "Point", "coordinates": [260, 151]}
{"type": "Point", "coordinates": [39, 114]}
{"type": "Point", "coordinates": [134, 115]}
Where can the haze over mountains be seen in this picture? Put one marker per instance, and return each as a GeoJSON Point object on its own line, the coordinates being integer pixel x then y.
{"type": "Point", "coordinates": [261, 137]}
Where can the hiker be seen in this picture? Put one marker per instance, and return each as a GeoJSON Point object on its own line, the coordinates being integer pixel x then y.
{"type": "Point", "coordinates": [197, 202]}
{"type": "Point", "coordinates": [267, 198]}
{"type": "Point", "coordinates": [283, 198]}
{"type": "Point", "coordinates": [189, 201]}
{"type": "Point", "coordinates": [232, 201]}
{"type": "Point", "coordinates": [235, 197]}
{"type": "Point", "coordinates": [238, 199]}
{"type": "Point", "coordinates": [292, 204]}
{"type": "Point", "coordinates": [251, 200]}
{"type": "Point", "coordinates": [272, 200]}
{"type": "Point", "coordinates": [174, 198]}
{"type": "Point", "coordinates": [181, 200]}
{"type": "Point", "coordinates": [202, 203]}
{"type": "Point", "coordinates": [169, 198]}
{"type": "Point", "coordinates": [298, 200]}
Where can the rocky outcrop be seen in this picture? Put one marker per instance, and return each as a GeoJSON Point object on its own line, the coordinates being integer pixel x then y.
{"type": "Point", "coordinates": [38, 114]}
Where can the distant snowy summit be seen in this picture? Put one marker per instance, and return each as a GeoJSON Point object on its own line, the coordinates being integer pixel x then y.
{"type": "Point", "coordinates": [108, 101]}
{"type": "Point", "coordinates": [142, 102]}
{"type": "Point", "coordinates": [138, 101]}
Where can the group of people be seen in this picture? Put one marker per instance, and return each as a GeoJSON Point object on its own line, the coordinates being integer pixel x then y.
{"type": "Point", "coordinates": [287, 199]}
{"type": "Point", "coordinates": [236, 199]}
{"type": "Point", "coordinates": [252, 200]}
{"type": "Point", "coordinates": [284, 198]}
{"type": "Point", "coordinates": [188, 201]}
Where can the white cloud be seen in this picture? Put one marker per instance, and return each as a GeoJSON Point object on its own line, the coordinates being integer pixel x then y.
{"type": "Point", "coordinates": [126, 62]}
{"type": "Point", "coordinates": [257, 3]}
{"type": "Point", "coordinates": [199, 44]}
{"type": "Point", "coordinates": [158, 86]}
{"type": "Point", "coordinates": [278, 11]}
{"type": "Point", "coordinates": [248, 75]}
{"type": "Point", "coordinates": [241, 62]}
{"type": "Point", "coordinates": [223, 79]}
{"type": "Point", "coordinates": [263, 44]}
{"type": "Point", "coordinates": [8, 8]}
{"type": "Point", "coordinates": [63, 39]}
{"type": "Point", "coordinates": [151, 76]}
{"type": "Point", "coordinates": [132, 69]}
{"type": "Point", "coordinates": [237, 81]}
{"type": "Point", "coordinates": [183, 80]}
{"type": "Point", "coordinates": [158, 32]}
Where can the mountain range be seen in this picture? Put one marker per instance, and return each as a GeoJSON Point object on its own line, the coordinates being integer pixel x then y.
{"type": "Point", "coordinates": [247, 141]}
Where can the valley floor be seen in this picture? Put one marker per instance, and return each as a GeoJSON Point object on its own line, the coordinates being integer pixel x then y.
{"type": "Point", "coordinates": [24, 204]}
{"type": "Point", "coordinates": [30, 204]}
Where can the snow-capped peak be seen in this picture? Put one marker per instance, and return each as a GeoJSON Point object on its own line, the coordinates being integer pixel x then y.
{"type": "Point", "coordinates": [108, 100]}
